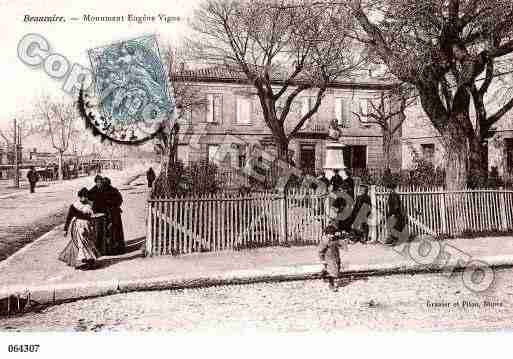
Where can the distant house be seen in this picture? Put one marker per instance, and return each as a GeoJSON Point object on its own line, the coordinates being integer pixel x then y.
{"type": "Point", "coordinates": [420, 137]}
{"type": "Point", "coordinates": [233, 112]}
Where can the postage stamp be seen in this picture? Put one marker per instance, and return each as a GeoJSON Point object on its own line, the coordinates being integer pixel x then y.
{"type": "Point", "coordinates": [131, 89]}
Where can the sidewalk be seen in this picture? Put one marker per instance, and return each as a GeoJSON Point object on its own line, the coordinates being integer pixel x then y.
{"type": "Point", "coordinates": [37, 271]}
{"type": "Point", "coordinates": [25, 216]}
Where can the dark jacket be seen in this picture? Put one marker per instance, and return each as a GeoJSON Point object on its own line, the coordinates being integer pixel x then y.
{"type": "Point", "coordinates": [360, 201]}
{"type": "Point", "coordinates": [74, 213]}
{"type": "Point", "coordinates": [394, 204]}
{"type": "Point", "coordinates": [348, 186]}
{"type": "Point", "coordinates": [32, 176]}
{"type": "Point", "coordinates": [108, 200]}
{"type": "Point", "coordinates": [336, 181]}
{"type": "Point", "coordinates": [150, 176]}
{"type": "Point", "coordinates": [396, 212]}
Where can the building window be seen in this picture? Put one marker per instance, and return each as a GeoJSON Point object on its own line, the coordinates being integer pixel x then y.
{"type": "Point", "coordinates": [182, 154]}
{"type": "Point", "coordinates": [243, 110]}
{"type": "Point", "coordinates": [343, 111]}
{"type": "Point", "coordinates": [307, 158]}
{"type": "Point", "coordinates": [428, 151]}
{"type": "Point", "coordinates": [364, 108]}
{"type": "Point", "coordinates": [308, 104]}
{"type": "Point", "coordinates": [508, 147]}
{"type": "Point", "coordinates": [214, 108]}
{"type": "Point", "coordinates": [212, 152]}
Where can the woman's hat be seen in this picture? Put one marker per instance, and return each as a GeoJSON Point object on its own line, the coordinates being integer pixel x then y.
{"type": "Point", "coordinates": [83, 192]}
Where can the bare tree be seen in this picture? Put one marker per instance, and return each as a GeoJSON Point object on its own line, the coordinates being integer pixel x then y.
{"type": "Point", "coordinates": [449, 50]}
{"type": "Point", "coordinates": [25, 129]}
{"type": "Point", "coordinates": [58, 120]}
{"type": "Point", "coordinates": [387, 111]}
{"type": "Point", "coordinates": [188, 97]}
{"type": "Point", "coordinates": [281, 50]}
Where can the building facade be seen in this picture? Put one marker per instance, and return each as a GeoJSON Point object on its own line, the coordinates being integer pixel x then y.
{"type": "Point", "coordinates": [422, 139]}
{"type": "Point", "coordinates": [231, 112]}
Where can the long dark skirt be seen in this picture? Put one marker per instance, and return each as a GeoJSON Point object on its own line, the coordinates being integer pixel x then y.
{"type": "Point", "coordinates": [115, 238]}
{"type": "Point", "coordinates": [80, 249]}
{"type": "Point", "coordinates": [397, 228]}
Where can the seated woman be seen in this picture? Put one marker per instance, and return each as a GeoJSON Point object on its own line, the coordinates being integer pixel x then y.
{"type": "Point", "coordinates": [80, 252]}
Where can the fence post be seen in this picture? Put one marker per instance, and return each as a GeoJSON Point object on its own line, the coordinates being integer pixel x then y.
{"type": "Point", "coordinates": [502, 208]}
{"type": "Point", "coordinates": [442, 213]}
{"type": "Point", "coordinates": [149, 238]}
{"type": "Point", "coordinates": [284, 215]}
{"type": "Point", "coordinates": [373, 227]}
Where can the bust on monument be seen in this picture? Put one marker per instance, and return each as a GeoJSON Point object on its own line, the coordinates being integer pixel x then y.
{"type": "Point", "coordinates": [334, 150]}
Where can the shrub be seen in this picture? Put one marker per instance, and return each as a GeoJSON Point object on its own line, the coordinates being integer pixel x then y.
{"type": "Point", "coordinates": [201, 178]}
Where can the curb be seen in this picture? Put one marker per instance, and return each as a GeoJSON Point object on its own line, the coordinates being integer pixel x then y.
{"type": "Point", "coordinates": [25, 248]}
{"type": "Point", "coordinates": [7, 260]}
{"type": "Point", "coordinates": [32, 298]}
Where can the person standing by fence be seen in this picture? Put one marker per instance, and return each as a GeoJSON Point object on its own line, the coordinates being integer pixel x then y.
{"type": "Point", "coordinates": [396, 218]}
{"type": "Point", "coordinates": [362, 204]}
{"type": "Point", "coordinates": [110, 203]}
{"type": "Point", "coordinates": [150, 176]}
{"type": "Point", "coordinates": [32, 177]}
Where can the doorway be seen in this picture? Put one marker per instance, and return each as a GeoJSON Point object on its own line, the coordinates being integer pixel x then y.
{"type": "Point", "coordinates": [307, 158]}
{"type": "Point", "coordinates": [355, 157]}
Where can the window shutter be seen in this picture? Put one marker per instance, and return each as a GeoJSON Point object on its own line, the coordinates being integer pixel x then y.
{"type": "Point", "coordinates": [347, 111]}
{"type": "Point", "coordinates": [311, 105]}
{"type": "Point", "coordinates": [364, 109]}
{"type": "Point", "coordinates": [243, 110]}
{"type": "Point", "coordinates": [305, 106]}
{"type": "Point", "coordinates": [218, 107]}
{"type": "Point", "coordinates": [210, 108]}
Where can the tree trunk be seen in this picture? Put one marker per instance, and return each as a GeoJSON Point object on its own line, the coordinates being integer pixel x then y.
{"type": "Point", "coordinates": [456, 169]}
{"type": "Point", "coordinates": [282, 148]}
{"type": "Point", "coordinates": [167, 182]}
{"type": "Point", "coordinates": [478, 163]}
{"type": "Point", "coordinates": [60, 170]}
{"type": "Point", "coordinates": [456, 156]}
{"type": "Point", "coordinates": [387, 144]}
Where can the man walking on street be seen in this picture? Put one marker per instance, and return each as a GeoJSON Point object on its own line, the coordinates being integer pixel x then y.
{"type": "Point", "coordinates": [32, 177]}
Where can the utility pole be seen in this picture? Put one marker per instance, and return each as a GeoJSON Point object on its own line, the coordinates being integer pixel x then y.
{"type": "Point", "coordinates": [15, 152]}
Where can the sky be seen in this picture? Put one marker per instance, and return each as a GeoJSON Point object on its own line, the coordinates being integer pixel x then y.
{"type": "Point", "coordinates": [22, 85]}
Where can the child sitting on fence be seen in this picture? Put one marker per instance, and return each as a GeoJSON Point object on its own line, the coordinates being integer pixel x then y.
{"type": "Point", "coordinates": [329, 252]}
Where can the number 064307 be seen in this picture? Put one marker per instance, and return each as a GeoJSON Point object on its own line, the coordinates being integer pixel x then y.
{"type": "Point", "coordinates": [23, 348]}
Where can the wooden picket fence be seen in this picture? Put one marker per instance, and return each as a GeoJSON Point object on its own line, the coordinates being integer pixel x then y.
{"type": "Point", "coordinates": [232, 221]}
{"type": "Point", "coordinates": [438, 212]}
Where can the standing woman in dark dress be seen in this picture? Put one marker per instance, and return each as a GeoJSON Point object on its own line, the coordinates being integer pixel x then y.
{"type": "Point", "coordinates": [110, 201]}
{"type": "Point", "coordinates": [80, 252]}
{"type": "Point", "coordinates": [397, 218]}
